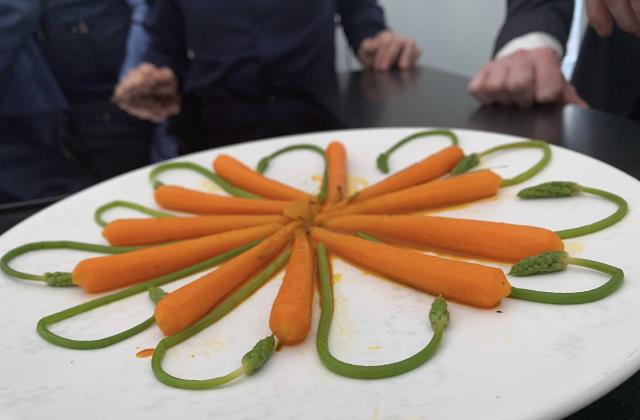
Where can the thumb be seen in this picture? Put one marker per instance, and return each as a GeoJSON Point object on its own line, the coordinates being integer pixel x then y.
{"type": "Point", "coordinates": [369, 45]}
{"type": "Point", "coordinates": [570, 96]}
{"type": "Point", "coordinates": [599, 17]}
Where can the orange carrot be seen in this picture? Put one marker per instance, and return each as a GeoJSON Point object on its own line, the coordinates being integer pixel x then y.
{"type": "Point", "coordinates": [149, 230]}
{"type": "Point", "coordinates": [336, 174]}
{"type": "Point", "coordinates": [498, 241]}
{"type": "Point", "coordinates": [430, 195]}
{"type": "Point", "coordinates": [427, 169]}
{"type": "Point", "coordinates": [188, 304]}
{"type": "Point", "coordinates": [113, 271]}
{"type": "Point", "coordinates": [471, 284]}
{"type": "Point", "coordinates": [290, 318]}
{"type": "Point", "coordinates": [246, 178]}
{"type": "Point", "coordinates": [191, 201]}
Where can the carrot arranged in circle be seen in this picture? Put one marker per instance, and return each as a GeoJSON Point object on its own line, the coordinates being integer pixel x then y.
{"type": "Point", "coordinates": [151, 230]}
{"type": "Point", "coordinates": [110, 272]}
{"type": "Point", "coordinates": [246, 178]}
{"type": "Point", "coordinates": [186, 305]}
{"type": "Point", "coordinates": [336, 156]}
{"type": "Point", "coordinates": [477, 238]}
{"type": "Point", "coordinates": [184, 199]}
{"type": "Point", "coordinates": [290, 319]}
{"type": "Point", "coordinates": [428, 169]}
{"type": "Point", "coordinates": [467, 283]}
{"type": "Point", "coordinates": [440, 193]}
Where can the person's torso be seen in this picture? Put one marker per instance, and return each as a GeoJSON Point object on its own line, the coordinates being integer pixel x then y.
{"type": "Point", "coordinates": [84, 42]}
{"type": "Point", "coordinates": [238, 42]}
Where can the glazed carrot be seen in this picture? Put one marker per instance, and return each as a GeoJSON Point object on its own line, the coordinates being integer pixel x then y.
{"type": "Point", "coordinates": [427, 169]}
{"type": "Point", "coordinates": [150, 230]}
{"type": "Point", "coordinates": [477, 238]}
{"type": "Point", "coordinates": [290, 318]}
{"type": "Point", "coordinates": [337, 174]}
{"type": "Point", "coordinates": [246, 178]}
{"type": "Point", "coordinates": [471, 284]}
{"type": "Point", "coordinates": [113, 271]}
{"type": "Point", "coordinates": [186, 305]}
{"type": "Point", "coordinates": [430, 195]}
{"type": "Point", "coordinates": [191, 201]}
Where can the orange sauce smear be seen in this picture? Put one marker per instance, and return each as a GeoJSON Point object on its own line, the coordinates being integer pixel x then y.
{"type": "Point", "coordinates": [145, 353]}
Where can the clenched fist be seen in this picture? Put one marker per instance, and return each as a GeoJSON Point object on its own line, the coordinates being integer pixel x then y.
{"type": "Point", "coordinates": [148, 92]}
{"type": "Point", "coordinates": [386, 50]}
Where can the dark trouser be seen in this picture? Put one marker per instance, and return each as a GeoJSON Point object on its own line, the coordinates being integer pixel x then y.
{"type": "Point", "coordinates": [44, 155]}
{"type": "Point", "coordinates": [106, 141]}
{"type": "Point", "coordinates": [33, 163]}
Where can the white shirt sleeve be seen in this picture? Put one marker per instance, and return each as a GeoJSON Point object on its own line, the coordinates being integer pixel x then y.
{"type": "Point", "coordinates": [531, 41]}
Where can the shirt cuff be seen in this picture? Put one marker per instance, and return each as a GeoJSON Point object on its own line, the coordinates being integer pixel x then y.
{"type": "Point", "coordinates": [531, 41]}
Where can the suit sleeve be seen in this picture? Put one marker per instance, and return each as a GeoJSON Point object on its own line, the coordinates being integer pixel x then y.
{"type": "Point", "coordinates": [360, 19]}
{"type": "Point", "coordinates": [525, 16]}
{"type": "Point", "coordinates": [18, 22]}
{"type": "Point", "coordinates": [164, 25]}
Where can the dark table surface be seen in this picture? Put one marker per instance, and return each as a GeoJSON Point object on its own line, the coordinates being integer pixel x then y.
{"type": "Point", "coordinates": [426, 97]}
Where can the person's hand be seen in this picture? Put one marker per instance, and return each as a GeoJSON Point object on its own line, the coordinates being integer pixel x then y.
{"type": "Point", "coordinates": [602, 14]}
{"type": "Point", "coordinates": [387, 49]}
{"type": "Point", "coordinates": [524, 78]}
{"type": "Point", "coordinates": [148, 92]}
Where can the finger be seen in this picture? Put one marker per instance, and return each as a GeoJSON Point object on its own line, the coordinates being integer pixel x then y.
{"type": "Point", "coordinates": [369, 45]}
{"type": "Point", "coordinates": [166, 82]}
{"type": "Point", "coordinates": [635, 5]}
{"type": "Point", "coordinates": [549, 80]}
{"type": "Point", "coordinates": [599, 17]}
{"type": "Point", "coordinates": [366, 52]}
{"type": "Point", "coordinates": [408, 55]}
{"type": "Point", "coordinates": [476, 86]}
{"type": "Point", "coordinates": [624, 15]}
{"type": "Point", "coordinates": [387, 55]}
{"type": "Point", "coordinates": [495, 85]}
{"type": "Point", "coordinates": [138, 83]}
{"type": "Point", "coordinates": [520, 78]}
{"type": "Point", "coordinates": [570, 96]}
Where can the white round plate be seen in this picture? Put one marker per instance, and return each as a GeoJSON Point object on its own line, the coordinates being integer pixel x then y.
{"type": "Point", "coordinates": [521, 360]}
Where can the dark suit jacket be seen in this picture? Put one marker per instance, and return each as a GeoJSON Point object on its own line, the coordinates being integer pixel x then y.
{"type": "Point", "coordinates": [607, 74]}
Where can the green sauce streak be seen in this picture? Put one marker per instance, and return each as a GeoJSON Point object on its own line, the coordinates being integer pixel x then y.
{"type": "Point", "coordinates": [44, 323]}
{"type": "Point", "coordinates": [57, 279]}
{"type": "Point", "coordinates": [225, 185]}
{"type": "Point", "coordinates": [263, 164]}
{"type": "Point", "coordinates": [251, 362]}
{"type": "Point", "coordinates": [549, 262]}
{"type": "Point", "coordinates": [100, 211]}
{"type": "Point", "coordinates": [383, 159]}
{"type": "Point", "coordinates": [438, 316]}
{"type": "Point", "coordinates": [471, 161]}
{"type": "Point", "coordinates": [560, 189]}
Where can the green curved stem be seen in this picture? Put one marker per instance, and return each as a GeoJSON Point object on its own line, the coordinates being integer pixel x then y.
{"type": "Point", "coordinates": [44, 323]}
{"type": "Point", "coordinates": [368, 237]}
{"type": "Point", "coordinates": [218, 180]}
{"type": "Point", "coordinates": [263, 164]}
{"type": "Point", "coordinates": [601, 224]}
{"type": "Point", "coordinates": [529, 173]}
{"type": "Point", "coordinates": [214, 315]}
{"type": "Point", "coordinates": [359, 371]}
{"type": "Point", "coordinates": [572, 298]}
{"type": "Point", "coordinates": [100, 211]}
{"type": "Point", "coordinates": [383, 159]}
{"type": "Point", "coordinates": [39, 246]}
